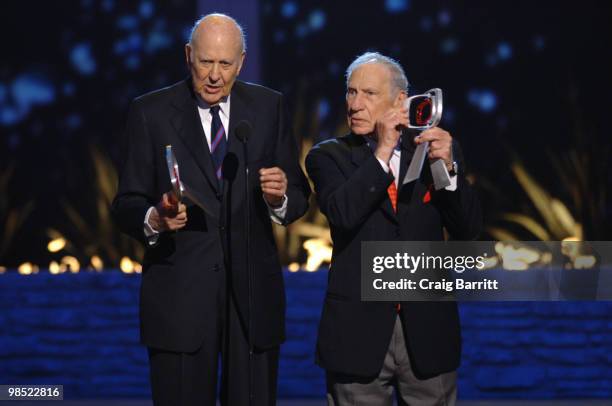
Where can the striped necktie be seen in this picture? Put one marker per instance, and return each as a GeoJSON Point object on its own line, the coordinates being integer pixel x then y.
{"type": "Point", "coordinates": [218, 143]}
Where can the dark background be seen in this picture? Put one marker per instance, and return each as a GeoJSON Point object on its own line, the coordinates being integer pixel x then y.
{"type": "Point", "coordinates": [523, 81]}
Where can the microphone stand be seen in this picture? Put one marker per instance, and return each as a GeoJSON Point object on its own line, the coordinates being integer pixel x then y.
{"type": "Point", "coordinates": [242, 133]}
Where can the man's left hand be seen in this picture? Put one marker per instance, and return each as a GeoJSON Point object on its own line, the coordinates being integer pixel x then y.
{"type": "Point", "coordinates": [273, 185]}
{"type": "Point", "coordinates": [440, 144]}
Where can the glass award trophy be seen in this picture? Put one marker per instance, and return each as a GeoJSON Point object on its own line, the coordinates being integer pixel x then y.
{"type": "Point", "coordinates": [425, 112]}
{"type": "Point", "coordinates": [179, 188]}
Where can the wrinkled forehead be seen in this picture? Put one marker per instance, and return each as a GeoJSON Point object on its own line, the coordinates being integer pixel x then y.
{"type": "Point", "coordinates": [370, 75]}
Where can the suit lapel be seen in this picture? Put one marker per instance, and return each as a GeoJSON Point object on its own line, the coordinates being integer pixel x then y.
{"type": "Point", "coordinates": [188, 125]}
{"type": "Point", "coordinates": [360, 151]}
{"type": "Point", "coordinates": [239, 111]}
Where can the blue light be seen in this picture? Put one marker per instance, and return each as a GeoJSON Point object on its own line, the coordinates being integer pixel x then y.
{"type": "Point", "coordinates": [301, 30]}
{"type": "Point", "coordinates": [120, 47]}
{"type": "Point", "coordinates": [334, 68]}
{"type": "Point", "coordinates": [29, 90]}
{"type": "Point", "coordinates": [323, 109]}
{"type": "Point", "coordinates": [449, 45]}
{"type": "Point", "coordinates": [127, 22]}
{"type": "Point", "coordinates": [504, 51]}
{"type": "Point", "coordinates": [9, 116]}
{"type": "Point", "coordinates": [491, 60]}
{"type": "Point", "coordinates": [146, 9]}
{"type": "Point", "coordinates": [132, 62]}
{"type": "Point", "coordinates": [539, 42]}
{"type": "Point", "coordinates": [449, 115]}
{"type": "Point", "coordinates": [279, 36]}
{"type": "Point", "coordinates": [133, 43]}
{"type": "Point", "coordinates": [426, 24]}
{"type": "Point", "coordinates": [68, 89]}
{"type": "Point", "coordinates": [26, 91]}
{"type": "Point", "coordinates": [108, 5]}
{"type": "Point", "coordinates": [157, 40]}
{"type": "Point", "coordinates": [82, 59]}
{"type": "Point", "coordinates": [186, 32]}
{"type": "Point", "coordinates": [73, 121]}
{"type": "Point", "coordinates": [397, 6]}
{"type": "Point", "coordinates": [289, 9]}
{"type": "Point", "coordinates": [444, 18]}
{"type": "Point", "coordinates": [485, 100]}
{"type": "Point", "coordinates": [316, 20]}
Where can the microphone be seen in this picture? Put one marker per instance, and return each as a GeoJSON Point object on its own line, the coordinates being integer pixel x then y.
{"type": "Point", "coordinates": [243, 131]}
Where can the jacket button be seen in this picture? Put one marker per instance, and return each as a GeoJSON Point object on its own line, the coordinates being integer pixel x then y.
{"type": "Point", "coordinates": [373, 189]}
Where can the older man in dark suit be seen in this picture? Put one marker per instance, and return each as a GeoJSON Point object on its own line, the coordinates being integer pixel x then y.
{"type": "Point", "coordinates": [197, 299]}
{"type": "Point", "coordinates": [368, 348]}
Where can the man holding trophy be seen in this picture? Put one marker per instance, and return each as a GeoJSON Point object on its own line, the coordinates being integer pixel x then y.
{"type": "Point", "coordinates": [372, 186]}
{"type": "Point", "coordinates": [209, 163]}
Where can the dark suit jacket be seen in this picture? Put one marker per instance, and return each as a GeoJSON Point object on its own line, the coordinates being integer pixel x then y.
{"type": "Point", "coordinates": [183, 272]}
{"type": "Point", "coordinates": [351, 189]}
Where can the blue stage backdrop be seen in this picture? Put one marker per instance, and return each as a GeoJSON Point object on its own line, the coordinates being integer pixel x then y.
{"type": "Point", "coordinates": [81, 330]}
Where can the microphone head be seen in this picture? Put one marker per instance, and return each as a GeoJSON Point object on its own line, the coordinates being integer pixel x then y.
{"type": "Point", "coordinates": [243, 131]}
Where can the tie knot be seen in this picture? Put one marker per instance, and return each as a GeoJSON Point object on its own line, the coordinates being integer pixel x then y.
{"type": "Point", "coordinates": [214, 110]}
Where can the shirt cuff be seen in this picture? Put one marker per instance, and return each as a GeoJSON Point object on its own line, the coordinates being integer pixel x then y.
{"type": "Point", "coordinates": [277, 214]}
{"type": "Point", "coordinates": [150, 233]}
{"type": "Point", "coordinates": [453, 184]}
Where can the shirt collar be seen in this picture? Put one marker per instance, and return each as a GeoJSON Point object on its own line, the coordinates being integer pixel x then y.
{"type": "Point", "coordinates": [224, 104]}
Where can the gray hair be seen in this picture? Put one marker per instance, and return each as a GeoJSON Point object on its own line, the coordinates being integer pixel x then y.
{"type": "Point", "coordinates": [238, 26]}
{"type": "Point", "coordinates": [399, 82]}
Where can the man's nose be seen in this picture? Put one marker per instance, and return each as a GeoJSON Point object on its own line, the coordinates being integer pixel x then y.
{"type": "Point", "coordinates": [214, 73]}
{"type": "Point", "coordinates": [356, 103]}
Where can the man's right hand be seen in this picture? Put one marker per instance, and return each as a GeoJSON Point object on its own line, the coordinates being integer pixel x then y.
{"type": "Point", "coordinates": [388, 131]}
{"type": "Point", "coordinates": [169, 214]}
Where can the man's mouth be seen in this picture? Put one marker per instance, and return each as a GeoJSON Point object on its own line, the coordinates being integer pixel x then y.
{"type": "Point", "coordinates": [212, 89]}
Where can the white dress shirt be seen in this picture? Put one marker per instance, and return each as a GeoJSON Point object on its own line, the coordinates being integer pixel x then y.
{"type": "Point", "coordinates": [394, 165]}
{"type": "Point", "coordinates": [206, 117]}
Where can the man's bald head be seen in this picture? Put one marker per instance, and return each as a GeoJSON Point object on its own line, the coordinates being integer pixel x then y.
{"type": "Point", "coordinates": [214, 54]}
{"type": "Point", "coordinates": [220, 23]}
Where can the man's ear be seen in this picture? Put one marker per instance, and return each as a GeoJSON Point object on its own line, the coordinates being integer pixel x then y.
{"type": "Point", "coordinates": [188, 55]}
{"type": "Point", "coordinates": [402, 95]}
{"type": "Point", "coordinates": [241, 61]}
